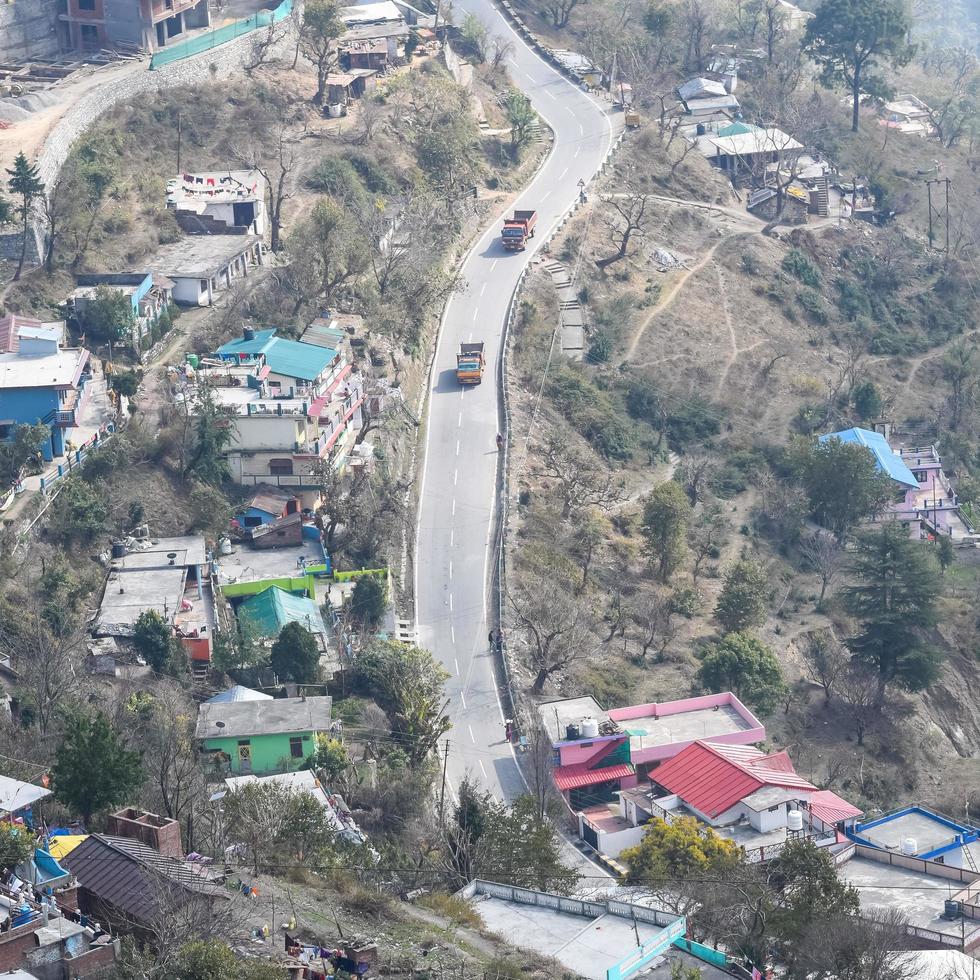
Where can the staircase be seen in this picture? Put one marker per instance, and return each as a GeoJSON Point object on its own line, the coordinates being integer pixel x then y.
{"type": "Point", "coordinates": [572, 318]}
{"type": "Point", "coordinates": [823, 202]}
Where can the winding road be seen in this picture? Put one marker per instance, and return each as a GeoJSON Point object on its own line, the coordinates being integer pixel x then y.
{"type": "Point", "coordinates": [460, 460]}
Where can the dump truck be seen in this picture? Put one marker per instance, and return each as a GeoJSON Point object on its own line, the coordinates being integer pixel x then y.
{"type": "Point", "coordinates": [470, 363]}
{"type": "Point", "coordinates": [632, 119]}
{"type": "Point", "coordinates": [518, 230]}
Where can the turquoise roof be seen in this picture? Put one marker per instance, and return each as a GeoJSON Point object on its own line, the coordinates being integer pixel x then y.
{"type": "Point", "coordinates": [736, 129]}
{"type": "Point", "coordinates": [242, 346]}
{"type": "Point", "coordinates": [889, 462]}
{"type": "Point", "coordinates": [270, 610]}
{"type": "Point", "coordinates": [290, 358]}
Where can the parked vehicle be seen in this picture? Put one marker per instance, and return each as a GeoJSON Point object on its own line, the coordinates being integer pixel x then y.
{"type": "Point", "coordinates": [518, 230]}
{"type": "Point", "coordinates": [470, 363]}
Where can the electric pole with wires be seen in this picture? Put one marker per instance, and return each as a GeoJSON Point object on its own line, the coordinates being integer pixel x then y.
{"type": "Point", "coordinates": [938, 214]}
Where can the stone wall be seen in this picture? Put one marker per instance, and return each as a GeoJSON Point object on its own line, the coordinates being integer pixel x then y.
{"type": "Point", "coordinates": [28, 29]}
{"type": "Point", "coordinates": [139, 86]}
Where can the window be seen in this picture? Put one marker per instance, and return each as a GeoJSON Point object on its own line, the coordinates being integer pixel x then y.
{"type": "Point", "coordinates": [86, 4]}
{"type": "Point", "coordinates": [773, 809]}
{"type": "Point", "coordinates": [281, 467]}
{"type": "Point", "coordinates": [90, 37]}
{"type": "Point", "coordinates": [296, 747]}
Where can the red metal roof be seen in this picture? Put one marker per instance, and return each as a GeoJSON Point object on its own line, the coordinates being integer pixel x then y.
{"type": "Point", "coordinates": [712, 777]}
{"type": "Point", "coordinates": [830, 808]}
{"type": "Point", "coordinates": [572, 777]}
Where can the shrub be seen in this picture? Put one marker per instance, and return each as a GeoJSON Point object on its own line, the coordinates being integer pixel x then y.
{"type": "Point", "coordinates": [813, 305]}
{"type": "Point", "coordinates": [798, 264]}
{"type": "Point", "coordinates": [601, 347]}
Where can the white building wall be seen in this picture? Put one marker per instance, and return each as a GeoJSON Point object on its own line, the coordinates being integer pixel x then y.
{"type": "Point", "coordinates": [189, 292]}
{"type": "Point", "coordinates": [277, 433]}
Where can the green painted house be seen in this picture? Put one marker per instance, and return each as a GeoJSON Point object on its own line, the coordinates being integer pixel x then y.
{"type": "Point", "coordinates": [262, 736]}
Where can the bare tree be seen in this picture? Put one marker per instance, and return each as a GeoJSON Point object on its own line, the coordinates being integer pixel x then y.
{"type": "Point", "coordinates": [588, 538]}
{"type": "Point", "coordinates": [265, 43]}
{"type": "Point", "coordinates": [500, 50]}
{"type": "Point", "coordinates": [581, 482]}
{"type": "Point", "coordinates": [697, 25]}
{"type": "Point", "coordinates": [774, 27]}
{"type": "Point", "coordinates": [272, 152]}
{"type": "Point", "coordinates": [826, 657]}
{"type": "Point", "coordinates": [707, 534]}
{"type": "Point", "coordinates": [822, 553]}
{"type": "Point", "coordinates": [554, 624]}
{"type": "Point", "coordinates": [626, 216]}
{"type": "Point", "coordinates": [657, 621]}
{"type": "Point", "coordinates": [859, 690]}
{"type": "Point", "coordinates": [560, 11]}
{"type": "Point", "coordinates": [537, 765]}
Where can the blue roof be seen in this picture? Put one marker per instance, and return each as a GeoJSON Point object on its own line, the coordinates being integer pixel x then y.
{"type": "Point", "coordinates": [291, 358]}
{"type": "Point", "coordinates": [294, 359]}
{"type": "Point", "coordinates": [889, 462]}
{"type": "Point", "coordinates": [242, 346]}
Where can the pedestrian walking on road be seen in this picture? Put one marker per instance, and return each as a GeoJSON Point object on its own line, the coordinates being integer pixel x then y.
{"type": "Point", "coordinates": [500, 441]}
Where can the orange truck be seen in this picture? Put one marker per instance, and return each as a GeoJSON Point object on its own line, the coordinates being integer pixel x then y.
{"type": "Point", "coordinates": [470, 363]}
{"type": "Point", "coordinates": [518, 230]}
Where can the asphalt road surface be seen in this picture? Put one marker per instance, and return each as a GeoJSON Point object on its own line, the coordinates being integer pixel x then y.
{"type": "Point", "coordinates": [460, 460]}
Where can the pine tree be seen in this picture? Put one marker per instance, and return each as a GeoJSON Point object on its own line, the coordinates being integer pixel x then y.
{"type": "Point", "coordinates": [25, 183]}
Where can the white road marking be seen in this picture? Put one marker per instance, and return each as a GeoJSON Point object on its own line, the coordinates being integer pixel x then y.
{"type": "Point", "coordinates": [450, 571]}
{"type": "Point", "coordinates": [455, 476]}
{"type": "Point", "coordinates": [476, 313]}
{"type": "Point", "coordinates": [485, 776]}
{"type": "Point", "coordinates": [581, 130]}
{"type": "Point", "coordinates": [452, 536]}
{"type": "Point", "coordinates": [550, 95]}
{"type": "Point", "coordinates": [493, 264]}
{"type": "Point", "coordinates": [456, 662]}
{"type": "Point", "coordinates": [452, 636]}
{"type": "Point", "coordinates": [457, 447]}
{"type": "Point", "coordinates": [472, 739]}
{"type": "Point", "coordinates": [575, 154]}
{"type": "Point", "coordinates": [462, 697]}
{"type": "Point", "coordinates": [454, 508]}
{"type": "Point", "coordinates": [562, 175]}
{"type": "Point", "coordinates": [483, 289]}
{"type": "Point", "coordinates": [459, 421]}
{"type": "Point", "coordinates": [450, 602]}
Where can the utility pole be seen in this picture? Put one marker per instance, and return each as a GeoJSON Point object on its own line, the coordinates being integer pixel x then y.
{"type": "Point", "coordinates": [442, 792]}
{"type": "Point", "coordinates": [179, 171]}
{"type": "Point", "coordinates": [940, 213]}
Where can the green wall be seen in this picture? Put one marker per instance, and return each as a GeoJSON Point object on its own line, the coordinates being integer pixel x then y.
{"type": "Point", "coordinates": [270, 753]}
{"type": "Point", "coordinates": [304, 583]}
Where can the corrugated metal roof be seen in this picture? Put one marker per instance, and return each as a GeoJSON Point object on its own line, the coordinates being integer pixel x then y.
{"type": "Point", "coordinates": [238, 693]}
{"type": "Point", "coordinates": [712, 778]}
{"type": "Point", "coordinates": [830, 808]}
{"type": "Point", "coordinates": [889, 462]}
{"type": "Point", "coordinates": [272, 608]}
{"type": "Point", "coordinates": [240, 345]}
{"type": "Point", "coordinates": [134, 878]}
{"type": "Point", "coordinates": [572, 777]}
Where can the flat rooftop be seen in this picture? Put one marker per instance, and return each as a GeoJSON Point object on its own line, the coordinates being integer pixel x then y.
{"type": "Point", "coordinates": [200, 256]}
{"type": "Point", "coordinates": [918, 897]}
{"type": "Point", "coordinates": [128, 594]}
{"type": "Point", "coordinates": [59, 369]}
{"type": "Point", "coordinates": [556, 716]}
{"type": "Point", "coordinates": [927, 833]}
{"type": "Point", "coordinates": [252, 565]}
{"type": "Point", "coordinates": [236, 719]}
{"type": "Point", "coordinates": [587, 946]}
{"type": "Point", "coordinates": [216, 187]}
{"type": "Point", "coordinates": [182, 551]}
{"type": "Point", "coordinates": [686, 726]}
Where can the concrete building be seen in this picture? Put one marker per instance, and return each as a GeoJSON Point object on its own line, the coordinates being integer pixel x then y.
{"type": "Point", "coordinates": [262, 737]}
{"type": "Point", "coordinates": [90, 25]}
{"type": "Point", "coordinates": [600, 752]}
{"type": "Point", "coordinates": [202, 266]}
{"type": "Point", "coordinates": [294, 406]}
{"type": "Point", "coordinates": [225, 202]}
{"type": "Point", "coordinates": [916, 831]}
{"type": "Point", "coordinates": [170, 576]}
{"type": "Point", "coordinates": [380, 21]}
{"type": "Point", "coordinates": [149, 296]}
{"type": "Point", "coordinates": [29, 30]}
{"type": "Point", "coordinates": [600, 940]}
{"type": "Point", "coordinates": [42, 382]}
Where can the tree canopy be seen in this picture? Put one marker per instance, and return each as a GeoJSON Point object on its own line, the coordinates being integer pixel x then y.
{"type": "Point", "coordinates": [94, 770]}
{"type": "Point", "coordinates": [368, 601]}
{"type": "Point", "coordinates": [843, 483]}
{"type": "Point", "coordinates": [851, 39]}
{"type": "Point", "coordinates": [893, 594]}
{"type": "Point", "coordinates": [107, 316]}
{"type": "Point", "coordinates": [295, 655]}
{"type": "Point", "coordinates": [154, 640]}
{"type": "Point", "coordinates": [666, 515]}
{"type": "Point", "coordinates": [742, 664]}
{"type": "Point", "coordinates": [682, 848]}
{"type": "Point", "coordinates": [744, 599]}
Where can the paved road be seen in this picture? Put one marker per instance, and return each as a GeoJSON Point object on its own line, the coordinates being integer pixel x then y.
{"type": "Point", "coordinates": [460, 453]}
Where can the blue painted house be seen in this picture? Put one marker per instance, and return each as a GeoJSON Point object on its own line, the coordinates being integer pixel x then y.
{"type": "Point", "coordinates": [149, 295]}
{"type": "Point", "coordinates": [889, 462]}
{"type": "Point", "coordinates": [42, 382]}
{"type": "Point", "coordinates": [295, 369]}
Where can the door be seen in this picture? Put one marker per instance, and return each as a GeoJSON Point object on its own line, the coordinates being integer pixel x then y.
{"type": "Point", "coordinates": [245, 758]}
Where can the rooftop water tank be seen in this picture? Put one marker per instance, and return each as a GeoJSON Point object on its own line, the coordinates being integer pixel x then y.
{"type": "Point", "coordinates": [910, 846]}
{"type": "Point", "coordinates": [590, 728]}
{"type": "Point", "coordinates": [118, 549]}
{"type": "Point", "coordinates": [248, 334]}
{"type": "Point", "coordinates": [572, 733]}
{"type": "Point", "coordinates": [794, 820]}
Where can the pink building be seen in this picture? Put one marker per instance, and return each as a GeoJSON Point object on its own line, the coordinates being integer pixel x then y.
{"type": "Point", "coordinates": [599, 752]}
{"type": "Point", "coordinates": [931, 507]}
